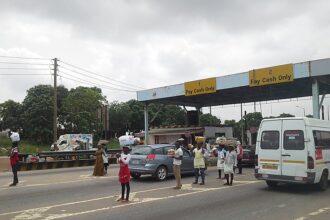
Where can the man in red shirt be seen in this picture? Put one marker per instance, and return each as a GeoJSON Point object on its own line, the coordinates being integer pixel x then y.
{"type": "Point", "coordinates": [14, 162]}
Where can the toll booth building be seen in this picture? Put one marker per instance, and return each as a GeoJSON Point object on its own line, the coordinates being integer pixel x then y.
{"type": "Point", "coordinates": [168, 135]}
{"type": "Point", "coordinates": [293, 80]}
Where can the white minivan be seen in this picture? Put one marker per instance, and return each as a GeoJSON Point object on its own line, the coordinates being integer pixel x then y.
{"type": "Point", "coordinates": [293, 150]}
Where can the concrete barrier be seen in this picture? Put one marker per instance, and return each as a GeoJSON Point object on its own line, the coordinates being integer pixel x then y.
{"type": "Point", "coordinates": [5, 164]}
{"type": "Point", "coordinates": [55, 164]}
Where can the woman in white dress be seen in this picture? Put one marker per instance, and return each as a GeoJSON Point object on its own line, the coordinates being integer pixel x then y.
{"type": "Point", "coordinates": [230, 163]}
{"type": "Point", "coordinates": [221, 152]}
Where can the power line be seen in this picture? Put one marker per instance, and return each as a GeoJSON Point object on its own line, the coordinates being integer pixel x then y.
{"type": "Point", "coordinates": [127, 87]}
{"type": "Point", "coordinates": [24, 74]}
{"type": "Point", "coordinates": [101, 75]}
{"type": "Point", "coordinates": [4, 62]}
{"type": "Point", "coordinates": [27, 58]}
{"type": "Point", "coordinates": [19, 68]}
{"type": "Point", "coordinates": [101, 86]}
{"type": "Point", "coordinates": [76, 79]}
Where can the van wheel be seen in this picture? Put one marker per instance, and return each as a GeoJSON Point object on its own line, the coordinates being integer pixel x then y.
{"type": "Point", "coordinates": [271, 183]}
{"type": "Point", "coordinates": [136, 175]}
{"type": "Point", "coordinates": [161, 173]}
{"type": "Point", "coordinates": [323, 184]}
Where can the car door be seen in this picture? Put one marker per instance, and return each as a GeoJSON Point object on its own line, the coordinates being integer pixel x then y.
{"type": "Point", "coordinates": [169, 160]}
{"type": "Point", "coordinates": [187, 161]}
{"type": "Point", "coordinates": [294, 153]}
{"type": "Point", "coordinates": [269, 155]}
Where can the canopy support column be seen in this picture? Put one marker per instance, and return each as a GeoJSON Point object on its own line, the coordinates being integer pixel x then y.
{"type": "Point", "coordinates": [316, 99]}
{"type": "Point", "coordinates": [146, 125]}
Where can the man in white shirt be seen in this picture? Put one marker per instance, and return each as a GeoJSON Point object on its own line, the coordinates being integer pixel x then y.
{"type": "Point", "coordinates": [177, 160]}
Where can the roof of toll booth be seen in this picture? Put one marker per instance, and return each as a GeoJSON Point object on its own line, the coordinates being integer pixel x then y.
{"type": "Point", "coordinates": [270, 83]}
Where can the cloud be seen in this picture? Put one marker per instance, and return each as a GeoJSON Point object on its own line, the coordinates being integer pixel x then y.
{"type": "Point", "coordinates": [158, 43]}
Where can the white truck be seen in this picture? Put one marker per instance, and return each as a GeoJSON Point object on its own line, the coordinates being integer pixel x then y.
{"type": "Point", "coordinates": [71, 142]}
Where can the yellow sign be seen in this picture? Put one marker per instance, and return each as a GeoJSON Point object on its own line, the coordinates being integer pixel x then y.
{"type": "Point", "coordinates": [200, 87]}
{"type": "Point", "coordinates": [271, 75]}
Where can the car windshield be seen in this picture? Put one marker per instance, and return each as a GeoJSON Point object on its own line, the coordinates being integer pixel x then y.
{"type": "Point", "coordinates": [141, 150]}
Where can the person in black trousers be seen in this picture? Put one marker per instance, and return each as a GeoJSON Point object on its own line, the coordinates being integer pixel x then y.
{"type": "Point", "coordinates": [14, 162]}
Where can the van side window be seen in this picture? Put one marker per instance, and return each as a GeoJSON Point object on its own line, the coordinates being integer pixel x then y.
{"type": "Point", "coordinates": [294, 140]}
{"type": "Point", "coordinates": [270, 140]}
{"type": "Point", "coordinates": [322, 139]}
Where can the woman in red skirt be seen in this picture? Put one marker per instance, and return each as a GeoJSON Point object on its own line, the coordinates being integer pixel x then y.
{"type": "Point", "coordinates": [124, 173]}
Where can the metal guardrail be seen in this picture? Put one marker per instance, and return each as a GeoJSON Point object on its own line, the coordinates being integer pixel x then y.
{"type": "Point", "coordinates": [77, 154]}
{"type": "Point", "coordinates": [63, 159]}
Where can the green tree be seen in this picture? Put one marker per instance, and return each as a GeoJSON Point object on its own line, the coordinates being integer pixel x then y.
{"type": "Point", "coordinates": [286, 115]}
{"type": "Point", "coordinates": [209, 120]}
{"type": "Point", "coordinates": [126, 116]}
{"type": "Point", "coordinates": [166, 115]}
{"type": "Point", "coordinates": [38, 114]}
{"type": "Point", "coordinates": [11, 115]}
{"type": "Point", "coordinates": [130, 116]}
{"type": "Point", "coordinates": [80, 109]}
{"type": "Point", "coordinates": [236, 127]}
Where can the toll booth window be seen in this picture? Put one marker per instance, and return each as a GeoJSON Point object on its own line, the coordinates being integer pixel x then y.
{"type": "Point", "coordinates": [322, 139]}
{"type": "Point", "coordinates": [294, 140]}
{"type": "Point", "coordinates": [270, 140]}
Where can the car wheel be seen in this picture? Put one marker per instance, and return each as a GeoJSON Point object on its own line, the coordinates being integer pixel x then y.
{"type": "Point", "coordinates": [323, 184]}
{"type": "Point", "coordinates": [136, 175]}
{"type": "Point", "coordinates": [161, 173]}
{"type": "Point", "coordinates": [271, 183]}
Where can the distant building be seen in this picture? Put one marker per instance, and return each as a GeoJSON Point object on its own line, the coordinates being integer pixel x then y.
{"type": "Point", "coordinates": [171, 134]}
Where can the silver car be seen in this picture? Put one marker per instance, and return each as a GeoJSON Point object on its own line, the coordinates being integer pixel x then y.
{"type": "Point", "coordinates": [153, 159]}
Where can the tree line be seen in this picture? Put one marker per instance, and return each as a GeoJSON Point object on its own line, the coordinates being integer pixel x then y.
{"type": "Point", "coordinates": [78, 112]}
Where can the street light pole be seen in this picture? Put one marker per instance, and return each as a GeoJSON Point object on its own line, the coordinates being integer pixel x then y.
{"type": "Point", "coordinates": [302, 109]}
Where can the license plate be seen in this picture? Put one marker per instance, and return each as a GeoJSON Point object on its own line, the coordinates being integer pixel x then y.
{"type": "Point", "coordinates": [135, 162]}
{"type": "Point", "coordinates": [269, 166]}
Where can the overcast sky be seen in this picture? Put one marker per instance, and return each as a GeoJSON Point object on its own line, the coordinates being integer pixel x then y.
{"type": "Point", "coordinates": [157, 43]}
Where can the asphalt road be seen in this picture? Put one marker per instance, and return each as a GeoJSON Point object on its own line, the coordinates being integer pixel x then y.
{"type": "Point", "coordinates": [73, 193]}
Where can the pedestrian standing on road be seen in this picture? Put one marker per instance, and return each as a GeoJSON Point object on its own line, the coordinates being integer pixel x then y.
{"type": "Point", "coordinates": [99, 167]}
{"type": "Point", "coordinates": [220, 152]}
{"type": "Point", "coordinates": [199, 161]}
{"type": "Point", "coordinates": [177, 160]}
{"type": "Point", "coordinates": [124, 173]}
{"type": "Point", "coordinates": [239, 152]}
{"type": "Point", "coordinates": [14, 162]}
{"type": "Point", "coordinates": [105, 159]}
{"type": "Point", "coordinates": [230, 163]}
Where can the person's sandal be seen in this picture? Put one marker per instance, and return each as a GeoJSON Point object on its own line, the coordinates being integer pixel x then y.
{"type": "Point", "coordinates": [120, 199]}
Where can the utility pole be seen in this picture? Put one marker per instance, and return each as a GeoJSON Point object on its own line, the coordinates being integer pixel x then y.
{"type": "Point", "coordinates": [242, 130]}
{"type": "Point", "coordinates": [55, 104]}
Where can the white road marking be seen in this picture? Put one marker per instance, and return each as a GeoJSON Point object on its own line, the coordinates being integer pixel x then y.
{"type": "Point", "coordinates": [83, 201]}
{"type": "Point", "coordinates": [55, 183]}
{"type": "Point", "coordinates": [20, 182]}
{"type": "Point", "coordinates": [38, 212]}
{"type": "Point", "coordinates": [315, 213]}
{"type": "Point", "coordinates": [31, 214]}
{"type": "Point", "coordinates": [184, 194]}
